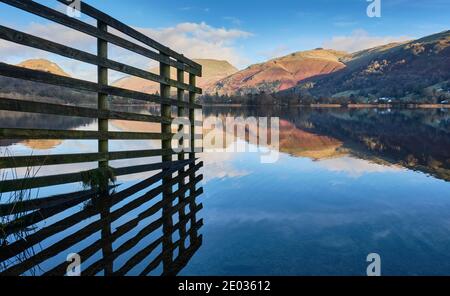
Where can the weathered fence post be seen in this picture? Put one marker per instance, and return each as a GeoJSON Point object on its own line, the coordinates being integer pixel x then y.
{"type": "Point", "coordinates": [181, 199]}
{"type": "Point", "coordinates": [102, 53]}
{"type": "Point", "coordinates": [192, 204]}
{"type": "Point", "coordinates": [166, 144]}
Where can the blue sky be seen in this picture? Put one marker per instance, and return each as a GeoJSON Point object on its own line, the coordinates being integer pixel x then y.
{"type": "Point", "coordinates": [249, 31]}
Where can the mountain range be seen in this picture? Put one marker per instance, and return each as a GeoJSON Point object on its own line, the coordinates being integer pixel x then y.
{"type": "Point", "coordinates": [415, 70]}
{"type": "Point", "coordinates": [280, 73]}
{"type": "Point", "coordinates": [407, 71]}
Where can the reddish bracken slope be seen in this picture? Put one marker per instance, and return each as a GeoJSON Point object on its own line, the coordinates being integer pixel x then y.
{"type": "Point", "coordinates": [280, 73]}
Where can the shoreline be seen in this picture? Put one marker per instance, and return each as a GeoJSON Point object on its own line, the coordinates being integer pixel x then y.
{"type": "Point", "coordinates": [350, 106]}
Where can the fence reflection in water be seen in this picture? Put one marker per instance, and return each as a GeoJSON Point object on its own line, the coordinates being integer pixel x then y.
{"type": "Point", "coordinates": [120, 233]}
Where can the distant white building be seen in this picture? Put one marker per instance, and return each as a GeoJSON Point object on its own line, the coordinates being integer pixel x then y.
{"type": "Point", "coordinates": [384, 100]}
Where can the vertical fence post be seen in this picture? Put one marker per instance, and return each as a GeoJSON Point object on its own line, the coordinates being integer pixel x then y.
{"type": "Point", "coordinates": [166, 144]}
{"type": "Point", "coordinates": [182, 212]}
{"type": "Point", "coordinates": [192, 205]}
{"type": "Point", "coordinates": [102, 52]}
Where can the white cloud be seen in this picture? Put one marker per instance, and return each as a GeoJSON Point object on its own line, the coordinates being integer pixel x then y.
{"type": "Point", "coordinates": [200, 40]}
{"type": "Point", "coordinates": [359, 40]}
{"type": "Point", "coordinates": [194, 40]}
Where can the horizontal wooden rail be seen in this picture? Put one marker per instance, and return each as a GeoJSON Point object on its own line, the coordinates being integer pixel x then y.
{"type": "Point", "coordinates": [61, 18]}
{"type": "Point", "coordinates": [22, 133]}
{"type": "Point", "coordinates": [43, 44]}
{"type": "Point", "coordinates": [74, 111]}
{"type": "Point", "coordinates": [121, 27]}
{"type": "Point", "coordinates": [129, 170]}
{"type": "Point", "coordinates": [56, 159]}
{"type": "Point", "coordinates": [78, 84]}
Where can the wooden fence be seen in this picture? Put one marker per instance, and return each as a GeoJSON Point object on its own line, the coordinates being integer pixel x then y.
{"type": "Point", "coordinates": [171, 171]}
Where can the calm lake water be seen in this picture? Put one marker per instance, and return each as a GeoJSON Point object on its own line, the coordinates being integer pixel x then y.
{"type": "Point", "coordinates": [347, 183]}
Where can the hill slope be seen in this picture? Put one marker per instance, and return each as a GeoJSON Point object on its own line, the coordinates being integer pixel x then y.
{"type": "Point", "coordinates": [213, 70]}
{"type": "Point", "coordinates": [403, 71]}
{"type": "Point", "coordinates": [280, 73]}
{"type": "Point", "coordinates": [43, 65]}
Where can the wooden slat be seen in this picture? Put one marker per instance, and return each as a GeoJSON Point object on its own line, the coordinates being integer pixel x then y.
{"type": "Point", "coordinates": [74, 111]}
{"type": "Point", "coordinates": [56, 159]}
{"type": "Point", "coordinates": [61, 18]}
{"type": "Point", "coordinates": [49, 78]}
{"type": "Point", "coordinates": [43, 44]}
{"type": "Point", "coordinates": [22, 133]}
{"type": "Point", "coordinates": [42, 160]}
{"type": "Point", "coordinates": [138, 153]}
{"type": "Point", "coordinates": [65, 110]}
{"type": "Point", "coordinates": [116, 24]}
{"type": "Point", "coordinates": [129, 170]}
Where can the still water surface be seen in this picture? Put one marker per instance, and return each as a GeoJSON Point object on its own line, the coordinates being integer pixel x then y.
{"type": "Point", "coordinates": [347, 183]}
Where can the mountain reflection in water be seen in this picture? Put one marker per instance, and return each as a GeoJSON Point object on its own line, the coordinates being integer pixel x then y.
{"type": "Point", "coordinates": [415, 139]}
